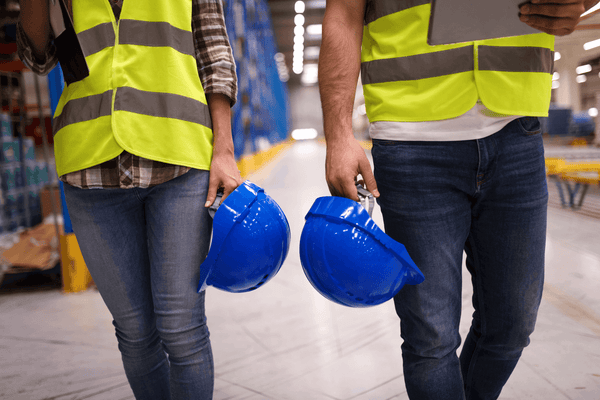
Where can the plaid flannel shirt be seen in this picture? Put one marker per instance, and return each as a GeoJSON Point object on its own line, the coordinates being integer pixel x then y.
{"type": "Point", "coordinates": [216, 68]}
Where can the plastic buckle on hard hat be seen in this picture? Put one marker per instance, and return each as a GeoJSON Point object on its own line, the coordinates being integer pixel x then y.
{"type": "Point", "coordinates": [215, 205]}
{"type": "Point", "coordinates": [366, 198]}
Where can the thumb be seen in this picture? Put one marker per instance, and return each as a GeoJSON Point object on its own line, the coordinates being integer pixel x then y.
{"type": "Point", "coordinates": [369, 178]}
{"type": "Point", "coordinates": [211, 195]}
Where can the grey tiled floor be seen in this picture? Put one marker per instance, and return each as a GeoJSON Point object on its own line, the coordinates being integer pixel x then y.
{"type": "Point", "coordinates": [285, 341]}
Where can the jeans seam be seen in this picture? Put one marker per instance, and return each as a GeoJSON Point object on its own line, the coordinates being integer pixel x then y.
{"type": "Point", "coordinates": [481, 310]}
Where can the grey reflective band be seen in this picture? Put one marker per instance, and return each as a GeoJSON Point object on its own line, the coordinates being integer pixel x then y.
{"type": "Point", "coordinates": [143, 33]}
{"type": "Point", "coordinates": [430, 65]}
{"type": "Point", "coordinates": [84, 109]}
{"type": "Point", "coordinates": [422, 66]}
{"type": "Point", "coordinates": [380, 8]}
{"type": "Point", "coordinates": [97, 38]}
{"type": "Point", "coordinates": [156, 34]}
{"type": "Point", "coordinates": [516, 59]}
{"type": "Point", "coordinates": [165, 105]}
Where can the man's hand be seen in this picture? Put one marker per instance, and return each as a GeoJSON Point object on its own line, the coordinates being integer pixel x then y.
{"type": "Point", "coordinates": [345, 160]}
{"type": "Point", "coordinates": [555, 17]}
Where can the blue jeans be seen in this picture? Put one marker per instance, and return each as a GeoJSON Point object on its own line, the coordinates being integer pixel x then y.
{"type": "Point", "coordinates": [487, 197]}
{"type": "Point", "coordinates": [143, 248]}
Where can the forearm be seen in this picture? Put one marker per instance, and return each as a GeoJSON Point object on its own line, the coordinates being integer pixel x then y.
{"type": "Point", "coordinates": [220, 112]}
{"type": "Point", "coordinates": [339, 65]}
{"type": "Point", "coordinates": [36, 24]}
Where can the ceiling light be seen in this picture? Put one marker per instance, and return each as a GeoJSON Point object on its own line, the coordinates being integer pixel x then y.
{"type": "Point", "coordinates": [593, 112]}
{"type": "Point", "coordinates": [298, 68]}
{"type": "Point", "coordinates": [299, 20]}
{"type": "Point", "coordinates": [304, 134]}
{"type": "Point", "coordinates": [311, 52]}
{"type": "Point", "coordinates": [556, 56]}
{"type": "Point", "coordinates": [591, 45]}
{"type": "Point", "coordinates": [315, 29]}
{"type": "Point", "coordinates": [298, 30]}
{"type": "Point", "coordinates": [316, 4]}
{"type": "Point", "coordinates": [298, 47]}
{"type": "Point", "coordinates": [299, 7]}
{"type": "Point", "coordinates": [279, 57]}
{"type": "Point", "coordinates": [555, 84]}
{"type": "Point", "coordinates": [555, 76]}
{"type": "Point", "coordinates": [582, 69]}
{"type": "Point", "coordinates": [581, 78]}
{"type": "Point", "coordinates": [298, 39]}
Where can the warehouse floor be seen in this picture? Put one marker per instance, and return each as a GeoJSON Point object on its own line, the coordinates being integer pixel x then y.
{"type": "Point", "coordinates": [285, 341]}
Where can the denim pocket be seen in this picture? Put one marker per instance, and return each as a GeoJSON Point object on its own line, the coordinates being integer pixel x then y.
{"type": "Point", "coordinates": [530, 125]}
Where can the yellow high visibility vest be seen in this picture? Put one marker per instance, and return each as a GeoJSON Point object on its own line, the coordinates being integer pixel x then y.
{"type": "Point", "coordinates": [143, 94]}
{"type": "Point", "coordinates": [406, 80]}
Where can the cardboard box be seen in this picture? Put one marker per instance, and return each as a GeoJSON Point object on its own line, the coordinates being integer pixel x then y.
{"type": "Point", "coordinates": [45, 199]}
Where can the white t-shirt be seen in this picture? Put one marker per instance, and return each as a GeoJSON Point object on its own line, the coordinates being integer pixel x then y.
{"type": "Point", "coordinates": [476, 123]}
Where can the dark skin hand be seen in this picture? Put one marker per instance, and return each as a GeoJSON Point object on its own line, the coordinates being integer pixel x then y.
{"type": "Point", "coordinates": [555, 17]}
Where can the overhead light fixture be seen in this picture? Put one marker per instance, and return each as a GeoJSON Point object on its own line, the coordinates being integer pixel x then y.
{"type": "Point", "coordinates": [593, 112]}
{"type": "Point", "coordinates": [555, 76]}
{"type": "Point", "coordinates": [298, 30]}
{"type": "Point", "coordinates": [581, 78]}
{"type": "Point", "coordinates": [583, 69]}
{"type": "Point", "coordinates": [304, 134]}
{"type": "Point", "coordinates": [314, 29]}
{"type": "Point", "coordinates": [299, 20]}
{"type": "Point", "coordinates": [297, 68]}
{"type": "Point", "coordinates": [312, 52]}
{"type": "Point", "coordinates": [591, 45]}
{"type": "Point", "coordinates": [299, 7]}
{"type": "Point", "coordinates": [315, 4]}
{"type": "Point", "coordinates": [556, 56]}
{"type": "Point", "coordinates": [299, 39]}
{"type": "Point", "coordinates": [555, 84]}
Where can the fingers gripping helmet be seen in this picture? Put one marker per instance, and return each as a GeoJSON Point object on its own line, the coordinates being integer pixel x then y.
{"type": "Point", "coordinates": [251, 238]}
{"type": "Point", "coordinates": [348, 259]}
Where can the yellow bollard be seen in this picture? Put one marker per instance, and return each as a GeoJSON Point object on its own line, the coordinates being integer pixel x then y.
{"type": "Point", "coordinates": [75, 275]}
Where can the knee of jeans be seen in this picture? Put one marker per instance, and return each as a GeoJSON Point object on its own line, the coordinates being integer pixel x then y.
{"type": "Point", "coordinates": [182, 338]}
{"type": "Point", "coordinates": [431, 343]}
{"type": "Point", "coordinates": [137, 341]}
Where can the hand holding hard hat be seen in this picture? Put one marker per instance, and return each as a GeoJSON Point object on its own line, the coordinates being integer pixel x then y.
{"type": "Point", "coordinates": [251, 239]}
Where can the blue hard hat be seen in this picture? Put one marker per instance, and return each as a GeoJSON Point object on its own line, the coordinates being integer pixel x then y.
{"type": "Point", "coordinates": [251, 238]}
{"type": "Point", "coordinates": [348, 259]}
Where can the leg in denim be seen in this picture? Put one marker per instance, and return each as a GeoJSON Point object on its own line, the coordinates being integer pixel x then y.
{"type": "Point", "coordinates": [487, 197]}
{"type": "Point", "coordinates": [143, 248]}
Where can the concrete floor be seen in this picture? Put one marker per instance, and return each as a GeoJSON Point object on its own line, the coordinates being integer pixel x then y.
{"type": "Point", "coordinates": [285, 341]}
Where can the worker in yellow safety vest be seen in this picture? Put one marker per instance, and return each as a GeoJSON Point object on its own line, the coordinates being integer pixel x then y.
{"type": "Point", "coordinates": [458, 167]}
{"type": "Point", "coordinates": [150, 127]}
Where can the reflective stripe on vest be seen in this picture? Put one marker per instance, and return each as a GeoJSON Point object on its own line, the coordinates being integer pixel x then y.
{"type": "Point", "coordinates": [454, 61]}
{"type": "Point", "coordinates": [164, 105]}
{"type": "Point", "coordinates": [143, 94]}
{"type": "Point", "coordinates": [405, 79]}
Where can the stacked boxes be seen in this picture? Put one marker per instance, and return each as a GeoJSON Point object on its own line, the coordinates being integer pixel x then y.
{"type": "Point", "coordinates": [21, 179]}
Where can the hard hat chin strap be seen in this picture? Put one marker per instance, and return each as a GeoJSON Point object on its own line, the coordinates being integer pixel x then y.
{"type": "Point", "coordinates": [215, 205]}
{"type": "Point", "coordinates": [366, 199]}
